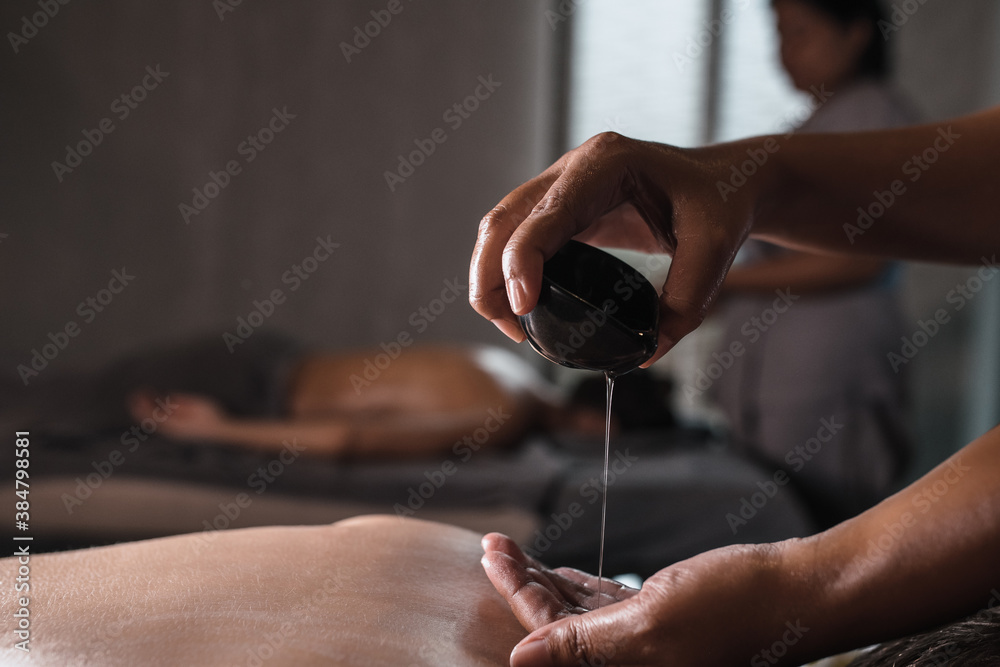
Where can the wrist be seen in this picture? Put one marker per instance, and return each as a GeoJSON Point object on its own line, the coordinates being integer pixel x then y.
{"type": "Point", "coordinates": [747, 177]}
{"type": "Point", "coordinates": [793, 626]}
{"type": "Point", "coordinates": [764, 187]}
{"type": "Point", "coordinates": [820, 593]}
{"type": "Point", "coordinates": [771, 594]}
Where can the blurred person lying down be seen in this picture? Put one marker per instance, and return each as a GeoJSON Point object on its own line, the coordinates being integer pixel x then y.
{"type": "Point", "coordinates": [367, 403]}
{"type": "Point", "coordinates": [415, 402]}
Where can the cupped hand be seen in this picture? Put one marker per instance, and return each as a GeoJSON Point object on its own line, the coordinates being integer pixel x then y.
{"type": "Point", "coordinates": [615, 191]}
{"type": "Point", "coordinates": [719, 608]}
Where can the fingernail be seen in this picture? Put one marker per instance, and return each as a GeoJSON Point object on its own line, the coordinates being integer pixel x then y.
{"type": "Point", "coordinates": [664, 344]}
{"type": "Point", "coordinates": [509, 329]}
{"type": "Point", "coordinates": [517, 294]}
{"type": "Point", "coordinates": [532, 654]}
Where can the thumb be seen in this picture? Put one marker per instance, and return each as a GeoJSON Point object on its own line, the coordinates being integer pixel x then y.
{"type": "Point", "coordinates": [595, 638]}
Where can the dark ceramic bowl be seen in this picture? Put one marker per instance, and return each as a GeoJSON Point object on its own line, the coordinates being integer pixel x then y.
{"type": "Point", "coordinates": [595, 312]}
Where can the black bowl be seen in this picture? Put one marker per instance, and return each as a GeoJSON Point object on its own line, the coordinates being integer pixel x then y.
{"type": "Point", "coordinates": [594, 312]}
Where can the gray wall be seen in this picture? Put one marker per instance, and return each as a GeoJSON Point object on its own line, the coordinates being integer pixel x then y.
{"type": "Point", "coordinates": [323, 175]}
{"type": "Point", "coordinates": [948, 56]}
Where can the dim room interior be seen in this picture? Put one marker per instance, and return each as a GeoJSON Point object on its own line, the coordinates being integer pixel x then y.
{"type": "Point", "coordinates": [258, 203]}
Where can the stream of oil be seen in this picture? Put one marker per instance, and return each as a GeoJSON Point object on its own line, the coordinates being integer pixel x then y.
{"type": "Point", "coordinates": [604, 504]}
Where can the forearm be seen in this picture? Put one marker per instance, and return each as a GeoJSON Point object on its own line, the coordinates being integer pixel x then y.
{"type": "Point", "coordinates": [321, 438]}
{"type": "Point", "coordinates": [395, 436]}
{"type": "Point", "coordinates": [924, 192]}
{"type": "Point", "coordinates": [923, 557]}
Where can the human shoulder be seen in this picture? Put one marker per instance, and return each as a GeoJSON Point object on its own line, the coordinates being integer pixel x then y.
{"type": "Point", "coordinates": [865, 105]}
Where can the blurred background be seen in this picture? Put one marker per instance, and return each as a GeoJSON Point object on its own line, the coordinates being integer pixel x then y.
{"type": "Point", "coordinates": [339, 105]}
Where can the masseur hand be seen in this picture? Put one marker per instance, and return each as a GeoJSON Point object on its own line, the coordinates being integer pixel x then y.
{"type": "Point", "coordinates": [615, 191]}
{"type": "Point", "coordinates": [709, 610]}
{"type": "Point", "coordinates": [727, 606]}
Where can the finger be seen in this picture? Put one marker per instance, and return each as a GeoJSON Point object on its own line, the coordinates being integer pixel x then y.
{"type": "Point", "coordinates": [487, 288]}
{"type": "Point", "coordinates": [598, 638]}
{"type": "Point", "coordinates": [577, 198]}
{"type": "Point", "coordinates": [502, 543]}
{"type": "Point", "coordinates": [498, 543]}
{"type": "Point", "coordinates": [699, 266]}
{"type": "Point", "coordinates": [534, 604]}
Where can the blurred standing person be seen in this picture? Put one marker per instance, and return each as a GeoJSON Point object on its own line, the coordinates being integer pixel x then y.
{"type": "Point", "coordinates": [813, 393]}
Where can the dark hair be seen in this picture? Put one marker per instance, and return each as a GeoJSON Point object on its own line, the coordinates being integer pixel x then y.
{"type": "Point", "coordinates": [875, 59]}
{"type": "Point", "coordinates": [973, 642]}
{"type": "Point", "coordinates": [640, 400]}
